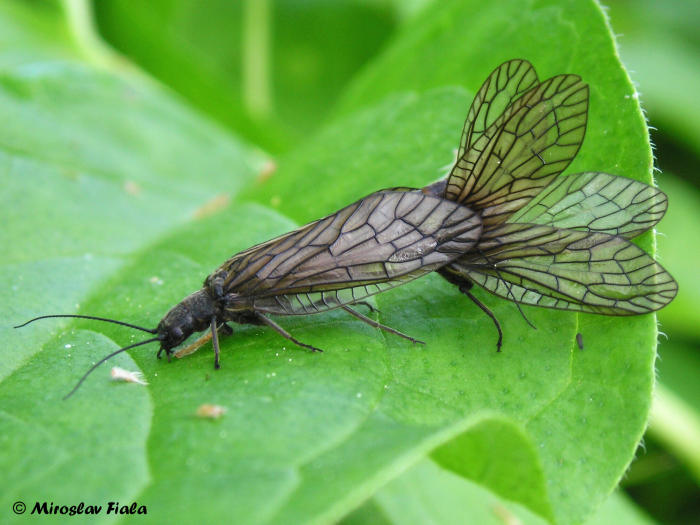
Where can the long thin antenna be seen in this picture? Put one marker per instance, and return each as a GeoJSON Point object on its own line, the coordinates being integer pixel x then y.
{"type": "Point", "coordinates": [149, 330]}
{"type": "Point", "coordinates": [105, 359]}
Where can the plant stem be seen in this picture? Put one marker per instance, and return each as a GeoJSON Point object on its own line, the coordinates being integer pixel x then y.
{"type": "Point", "coordinates": [257, 97]}
{"type": "Point", "coordinates": [677, 426]}
{"type": "Point", "coordinates": [81, 22]}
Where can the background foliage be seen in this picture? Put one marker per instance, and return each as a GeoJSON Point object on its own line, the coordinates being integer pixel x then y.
{"type": "Point", "coordinates": [121, 192]}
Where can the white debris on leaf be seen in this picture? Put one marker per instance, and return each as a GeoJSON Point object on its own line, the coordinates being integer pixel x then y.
{"type": "Point", "coordinates": [208, 411]}
{"type": "Point", "coordinates": [119, 374]}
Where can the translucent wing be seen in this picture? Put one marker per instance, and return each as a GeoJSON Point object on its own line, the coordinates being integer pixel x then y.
{"type": "Point", "coordinates": [379, 242]}
{"type": "Point", "coordinates": [507, 82]}
{"type": "Point", "coordinates": [597, 202]}
{"type": "Point", "coordinates": [568, 270]}
{"type": "Point", "coordinates": [315, 302]}
{"type": "Point", "coordinates": [523, 150]}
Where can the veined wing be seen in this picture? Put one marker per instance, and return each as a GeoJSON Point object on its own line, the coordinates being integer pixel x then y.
{"type": "Point", "coordinates": [533, 141]}
{"type": "Point", "coordinates": [381, 241]}
{"type": "Point", "coordinates": [568, 270]}
{"type": "Point", "coordinates": [506, 83]}
{"type": "Point", "coordinates": [597, 202]}
{"type": "Point", "coordinates": [313, 302]}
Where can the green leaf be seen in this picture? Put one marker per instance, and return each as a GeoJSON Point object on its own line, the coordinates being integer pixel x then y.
{"type": "Point", "coordinates": [428, 494]}
{"type": "Point", "coordinates": [106, 163]}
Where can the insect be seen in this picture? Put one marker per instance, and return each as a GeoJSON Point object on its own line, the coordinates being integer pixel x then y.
{"type": "Point", "coordinates": [379, 242]}
{"type": "Point", "coordinates": [547, 240]}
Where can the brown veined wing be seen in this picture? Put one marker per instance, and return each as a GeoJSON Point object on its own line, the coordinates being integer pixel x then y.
{"type": "Point", "coordinates": [529, 144]}
{"type": "Point", "coordinates": [567, 269]}
{"type": "Point", "coordinates": [381, 241]}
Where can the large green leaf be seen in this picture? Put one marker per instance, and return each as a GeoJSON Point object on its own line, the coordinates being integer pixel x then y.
{"type": "Point", "coordinates": [427, 493]}
{"type": "Point", "coordinates": [106, 164]}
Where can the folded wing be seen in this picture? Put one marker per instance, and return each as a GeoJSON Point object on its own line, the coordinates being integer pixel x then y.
{"type": "Point", "coordinates": [568, 269]}
{"type": "Point", "coordinates": [379, 242]}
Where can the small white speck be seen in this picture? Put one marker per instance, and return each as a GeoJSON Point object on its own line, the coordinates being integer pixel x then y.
{"type": "Point", "coordinates": [290, 359]}
{"type": "Point", "coordinates": [156, 280]}
{"type": "Point", "coordinates": [386, 387]}
{"type": "Point", "coordinates": [119, 374]}
{"type": "Point", "coordinates": [358, 395]}
{"type": "Point", "coordinates": [273, 374]}
{"type": "Point", "coordinates": [208, 411]}
{"type": "Point", "coordinates": [277, 354]}
{"type": "Point", "coordinates": [67, 346]}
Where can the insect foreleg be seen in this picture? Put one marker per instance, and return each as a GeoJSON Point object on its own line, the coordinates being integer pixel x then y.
{"type": "Point", "coordinates": [224, 329]}
{"type": "Point", "coordinates": [375, 324]}
{"type": "Point", "coordinates": [284, 333]}
{"type": "Point", "coordinates": [215, 342]}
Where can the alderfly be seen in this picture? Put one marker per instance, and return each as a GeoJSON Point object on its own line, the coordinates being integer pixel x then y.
{"type": "Point", "coordinates": [548, 240]}
{"type": "Point", "coordinates": [379, 242]}
{"type": "Point", "coordinates": [503, 218]}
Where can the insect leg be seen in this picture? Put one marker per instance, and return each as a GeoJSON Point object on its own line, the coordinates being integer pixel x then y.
{"type": "Point", "coordinates": [284, 333]}
{"type": "Point", "coordinates": [191, 348]}
{"type": "Point", "coordinates": [369, 306]}
{"type": "Point", "coordinates": [374, 323]}
{"type": "Point", "coordinates": [488, 312]}
{"type": "Point", "coordinates": [215, 342]}
{"type": "Point", "coordinates": [465, 285]}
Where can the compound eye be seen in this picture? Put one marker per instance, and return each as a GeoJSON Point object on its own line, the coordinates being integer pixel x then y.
{"type": "Point", "coordinates": [176, 333]}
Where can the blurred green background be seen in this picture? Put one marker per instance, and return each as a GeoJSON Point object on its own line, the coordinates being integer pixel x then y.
{"type": "Point", "coordinates": [244, 65]}
{"type": "Point", "coordinates": [659, 43]}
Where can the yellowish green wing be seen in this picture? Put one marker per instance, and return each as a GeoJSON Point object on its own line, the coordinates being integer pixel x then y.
{"type": "Point", "coordinates": [506, 83]}
{"type": "Point", "coordinates": [597, 202]}
{"type": "Point", "coordinates": [568, 270]}
{"type": "Point", "coordinates": [523, 150]}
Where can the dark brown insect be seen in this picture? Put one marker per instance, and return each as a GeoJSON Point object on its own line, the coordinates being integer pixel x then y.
{"type": "Point", "coordinates": [548, 240]}
{"type": "Point", "coordinates": [386, 239]}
